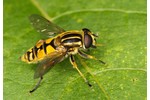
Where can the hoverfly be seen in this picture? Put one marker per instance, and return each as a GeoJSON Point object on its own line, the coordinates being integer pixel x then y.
{"type": "Point", "coordinates": [53, 50]}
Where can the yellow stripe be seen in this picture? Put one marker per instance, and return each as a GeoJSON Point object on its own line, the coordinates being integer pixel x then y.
{"type": "Point", "coordinates": [70, 38]}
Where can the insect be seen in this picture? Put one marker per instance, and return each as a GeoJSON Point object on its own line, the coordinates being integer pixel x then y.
{"type": "Point", "coordinates": [53, 50]}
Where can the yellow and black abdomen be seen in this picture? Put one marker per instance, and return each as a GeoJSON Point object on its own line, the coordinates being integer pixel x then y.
{"type": "Point", "coordinates": [39, 51]}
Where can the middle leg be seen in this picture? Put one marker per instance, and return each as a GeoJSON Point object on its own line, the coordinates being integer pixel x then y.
{"type": "Point", "coordinates": [72, 60]}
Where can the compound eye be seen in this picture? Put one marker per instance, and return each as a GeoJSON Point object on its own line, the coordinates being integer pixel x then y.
{"type": "Point", "coordinates": [87, 41]}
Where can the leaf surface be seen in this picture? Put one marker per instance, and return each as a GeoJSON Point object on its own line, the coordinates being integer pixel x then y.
{"type": "Point", "coordinates": [121, 26]}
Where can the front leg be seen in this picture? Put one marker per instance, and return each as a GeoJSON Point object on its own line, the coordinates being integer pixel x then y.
{"type": "Point", "coordinates": [84, 55]}
{"type": "Point", "coordinates": [72, 61]}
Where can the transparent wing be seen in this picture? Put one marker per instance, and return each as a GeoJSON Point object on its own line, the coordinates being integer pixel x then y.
{"type": "Point", "coordinates": [43, 25]}
{"type": "Point", "coordinates": [48, 63]}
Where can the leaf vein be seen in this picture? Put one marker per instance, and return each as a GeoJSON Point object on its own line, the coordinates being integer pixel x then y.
{"type": "Point", "coordinates": [37, 5]}
{"type": "Point", "coordinates": [97, 10]}
{"type": "Point", "coordinates": [117, 69]}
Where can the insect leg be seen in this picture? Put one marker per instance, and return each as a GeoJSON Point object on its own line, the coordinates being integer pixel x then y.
{"type": "Point", "coordinates": [37, 85]}
{"type": "Point", "coordinates": [72, 60]}
{"type": "Point", "coordinates": [84, 55]}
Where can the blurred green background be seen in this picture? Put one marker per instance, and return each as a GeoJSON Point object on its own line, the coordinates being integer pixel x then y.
{"type": "Point", "coordinates": [121, 26]}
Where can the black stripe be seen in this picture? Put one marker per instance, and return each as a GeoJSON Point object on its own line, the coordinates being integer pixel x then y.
{"type": "Point", "coordinates": [44, 46]}
{"type": "Point", "coordinates": [71, 46]}
{"type": "Point", "coordinates": [28, 55]}
{"type": "Point", "coordinates": [71, 35]}
{"type": "Point", "coordinates": [35, 50]}
{"type": "Point", "coordinates": [33, 56]}
{"type": "Point", "coordinates": [71, 40]}
{"type": "Point", "coordinates": [41, 47]}
{"type": "Point", "coordinates": [52, 44]}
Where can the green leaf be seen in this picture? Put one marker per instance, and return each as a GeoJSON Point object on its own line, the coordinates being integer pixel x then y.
{"type": "Point", "coordinates": [121, 26]}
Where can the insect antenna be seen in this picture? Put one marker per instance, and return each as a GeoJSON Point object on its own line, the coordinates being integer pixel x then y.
{"type": "Point", "coordinates": [37, 85]}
